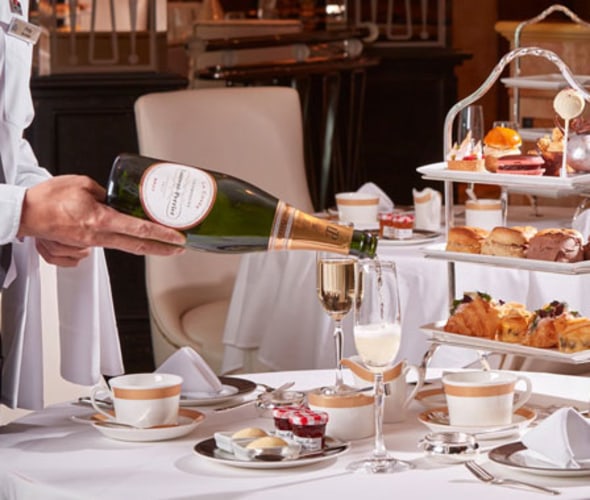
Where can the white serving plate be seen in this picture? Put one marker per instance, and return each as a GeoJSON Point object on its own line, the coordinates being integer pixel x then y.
{"type": "Point", "coordinates": [419, 237]}
{"type": "Point", "coordinates": [437, 251]}
{"type": "Point", "coordinates": [550, 81]}
{"type": "Point", "coordinates": [549, 186]}
{"type": "Point", "coordinates": [437, 334]}
{"type": "Point", "coordinates": [208, 450]}
{"type": "Point", "coordinates": [232, 388]}
{"type": "Point", "coordinates": [519, 458]}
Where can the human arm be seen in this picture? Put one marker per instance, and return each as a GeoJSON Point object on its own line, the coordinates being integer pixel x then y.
{"type": "Point", "coordinates": [67, 215]}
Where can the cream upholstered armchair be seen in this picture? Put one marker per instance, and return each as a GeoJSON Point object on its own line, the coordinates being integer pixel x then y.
{"type": "Point", "coordinates": [254, 133]}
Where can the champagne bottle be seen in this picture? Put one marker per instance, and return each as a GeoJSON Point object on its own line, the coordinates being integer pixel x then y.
{"type": "Point", "coordinates": [221, 213]}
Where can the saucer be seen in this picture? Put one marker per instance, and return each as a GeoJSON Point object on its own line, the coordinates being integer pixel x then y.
{"type": "Point", "coordinates": [431, 398]}
{"type": "Point", "coordinates": [437, 420]}
{"type": "Point", "coordinates": [187, 422]}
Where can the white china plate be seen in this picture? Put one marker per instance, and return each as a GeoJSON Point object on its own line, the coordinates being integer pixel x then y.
{"type": "Point", "coordinates": [550, 81]}
{"type": "Point", "coordinates": [419, 237]}
{"type": "Point", "coordinates": [437, 251]}
{"type": "Point", "coordinates": [518, 457]}
{"type": "Point", "coordinates": [232, 388]}
{"type": "Point", "coordinates": [187, 422]}
{"type": "Point", "coordinates": [550, 186]}
{"type": "Point", "coordinates": [209, 451]}
{"type": "Point", "coordinates": [437, 334]}
{"type": "Point", "coordinates": [436, 419]}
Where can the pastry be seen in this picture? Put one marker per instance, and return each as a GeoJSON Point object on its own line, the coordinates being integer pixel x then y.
{"type": "Point", "coordinates": [544, 327]}
{"type": "Point", "coordinates": [249, 432]}
{"type": "Point", "coordinates": [556, 245]}
{"type": "Point", "coordinates": [514, 322]}
{"type": "Point", "coordinates": [267, 442]}
{"type": "Point", "coordinates": [476, 314]}
{"type": "Point", "coordinates": [466, 239]}
{"type": "Point", "coordinates": [467, 156]}
{"type": "Point", "coordinates": [500, 141]}
{"type": "Point", "coordinates": [520, 164]}
{"type": "Point", "coordinates": [508, 241]}
{"type": "Point", "coordinates": [574, 334]}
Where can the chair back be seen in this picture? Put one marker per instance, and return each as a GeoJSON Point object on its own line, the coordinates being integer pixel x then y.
{"type": "Point", "coordinates": [253, 133]}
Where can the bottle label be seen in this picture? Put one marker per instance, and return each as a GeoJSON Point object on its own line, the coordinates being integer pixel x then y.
{"type": "Point", "coordinates": [296, 230]}
{"type": "Point", "coordinates": [176, 195]}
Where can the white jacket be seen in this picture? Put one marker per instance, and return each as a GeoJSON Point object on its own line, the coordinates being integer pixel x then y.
{"type": "Point", "coordinates": [88, 332]}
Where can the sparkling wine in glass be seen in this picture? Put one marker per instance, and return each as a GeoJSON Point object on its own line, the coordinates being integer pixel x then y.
{"type": "Point", "coordinates": [377, 337]}
{"type": "Point", "coordinates": [336, 282]}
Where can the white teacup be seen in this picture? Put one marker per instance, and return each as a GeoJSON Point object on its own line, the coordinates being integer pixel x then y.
{"type": "Point", "coordinates": [483, 398]}
{"type": "Point", "coordinates": [398, 394]}
{"type": "Point", "coordinates": [142, 399]}
{"type": "Point", "coordinates": [357, 208]}
{"type": "Point", "coordinates": [484, 213]}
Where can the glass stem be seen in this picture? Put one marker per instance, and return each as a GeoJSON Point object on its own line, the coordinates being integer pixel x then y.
{"type": "Point", "coordinates": [379, 451]}
{"type": "Point", "coordinates": [338, 335]}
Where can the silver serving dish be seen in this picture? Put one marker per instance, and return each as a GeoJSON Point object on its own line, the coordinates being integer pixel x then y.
{"type": "Point", "coordinates": [450, 446]}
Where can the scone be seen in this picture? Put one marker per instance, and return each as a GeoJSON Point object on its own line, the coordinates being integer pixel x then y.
{"type": "Point", "coordinates": [508, 241]}
{"type": "Point", "coordinates": [466, 239]}
{"type": "Point", "coordinates": [514, 322]}
{"type": "Point", "coordinates": [476, 314]}
{"type": "Point", "coordinates": [556, 245]}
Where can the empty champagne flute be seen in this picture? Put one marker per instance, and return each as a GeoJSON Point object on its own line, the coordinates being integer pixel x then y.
{"type": "Point", "coordinates": [377, 337]}
{"type": "Point", "coordinates": [336, 282]}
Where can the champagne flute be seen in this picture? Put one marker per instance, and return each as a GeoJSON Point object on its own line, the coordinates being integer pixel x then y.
{"type": "Point", "coordinates": [336, 281]}
{"type": "Point", "coordinates": [377, 337]}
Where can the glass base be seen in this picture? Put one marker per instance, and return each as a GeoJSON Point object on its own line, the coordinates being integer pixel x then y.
{"type": "Point", "coordinates": [385, 465]}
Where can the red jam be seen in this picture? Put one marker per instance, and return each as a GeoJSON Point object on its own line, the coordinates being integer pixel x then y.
{"type": "Point", "coordinates": [403, 225]}
{"type": "Point", "coordinates": [309, 428]}
{"type": "Point", "coordinates": [281, 419]}
{"type": "Point", "coordinates": [386, 225]}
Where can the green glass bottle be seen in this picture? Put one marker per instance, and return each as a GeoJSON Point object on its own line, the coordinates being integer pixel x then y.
{"type": "Point", "coordinates": [220, 213]}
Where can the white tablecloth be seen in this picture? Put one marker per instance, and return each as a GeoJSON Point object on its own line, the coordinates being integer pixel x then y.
{"type": "Point", "coordinates": [275, 310]}
{"type": "Point", "coordinates": [48, 456]}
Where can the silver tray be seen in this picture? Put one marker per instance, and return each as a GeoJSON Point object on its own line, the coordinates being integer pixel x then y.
{"type": "Point", "coordinates": [437, 334]}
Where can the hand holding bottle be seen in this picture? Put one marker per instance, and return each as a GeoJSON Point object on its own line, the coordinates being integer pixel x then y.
{"type": "Point", "coordinates": [66, 216]}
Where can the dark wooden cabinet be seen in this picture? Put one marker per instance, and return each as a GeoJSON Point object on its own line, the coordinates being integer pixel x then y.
{"type": "Point", "coordinates": [407, 98]}
{"type": "Point", "coordinates": [82, 121]}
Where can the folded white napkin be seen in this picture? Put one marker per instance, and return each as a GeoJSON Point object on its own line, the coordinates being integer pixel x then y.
{"type": "Point", "coordinates": [427, 209]}
{"type": "Point", "coordinates": [198, 379]}
{"type": "Point", "coordinates": [385, 203]}
{"type": "Point", "coordinates": [582, 224]}
{"type": "Point", "coordinates": [563, 438]}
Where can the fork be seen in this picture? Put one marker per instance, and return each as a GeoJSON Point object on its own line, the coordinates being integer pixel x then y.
{"type": "Point", "coordinates": [483, 475]}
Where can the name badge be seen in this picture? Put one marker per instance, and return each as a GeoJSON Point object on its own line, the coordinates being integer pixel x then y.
{"type": "Point", "coordinates": [16, 7]}
{"type": "Point", "coordinates": [23, 30]}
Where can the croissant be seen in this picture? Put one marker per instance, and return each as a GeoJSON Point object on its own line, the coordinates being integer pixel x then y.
{"type": "Point", "coordinates": [476, 315]}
